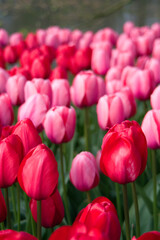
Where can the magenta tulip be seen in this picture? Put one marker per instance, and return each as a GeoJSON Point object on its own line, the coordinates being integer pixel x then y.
{"type": "Point", "coordinates": [3, 80]}
{"type": "Point", "coordinates": [9, 234]}
{"type": "Point", "coordinates": [6, 113]}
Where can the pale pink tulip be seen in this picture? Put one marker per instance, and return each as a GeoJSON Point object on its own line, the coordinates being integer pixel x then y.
{"type": "Point", "coordinates": [6, 113]}
{"type": "Point", "coordinates": [155, 98]}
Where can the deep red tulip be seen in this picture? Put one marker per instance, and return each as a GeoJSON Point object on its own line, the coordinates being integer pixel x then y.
{"type": "Point", "coordinates": [27, 133]}
{"type": "Point", "coordinates": [52, 210]}
{"type": "Point", "coordinates": [11, 149]}
{"type": "Point", "coordinates": [10, 55]}
{"type": "Point", "coordinates": [38, 173]}
{"type": "Point", "coordinates": [31, 41]}
{"type": "Point", "coordinates": [84, 180]}
{"type": "Point", "coordinates": [58, 72]}
{"type": "Point", "coordinates": [59, 124]}
{"type": "Point", "coordinates": [40, 68]}
{"type": "Point", "coordinates": [13, 235]}
{"type": "Point", "coordinates": [124, 152]}
{"type": "Point", "coordinates": [20, 48]}
{"type": "Point", "coordinates": [154, 235]}
{"type": "Point", "coordinates": [48, 51]}
{"type": "Point", "coordinates": [25, 59]}
{"type": "Point", "coordinates": [3, 213]}
{"type": "Point", "coordinates": [101, 214]}
{"type": "Point", "coordinates": [60, 233]}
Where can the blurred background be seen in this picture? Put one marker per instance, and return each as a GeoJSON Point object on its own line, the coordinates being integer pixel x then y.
{"type": "Point", "coordinates": [28, 15]}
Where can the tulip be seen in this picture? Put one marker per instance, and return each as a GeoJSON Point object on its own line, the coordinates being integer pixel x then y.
{"type": "Point", "coordinates": [154, 65]}
{"type": "Point", "coordinates": [27, 133]}
{"type": "Point", "coordinates": [3, 213]}
{"type": "Point", "coordinates": [156, 29]}
{"type": "Point", "coordinates": [75, 37]}
{"type": "Point", "coordinates": [113, 74]}
{"type": "Point", "coordinates": [60, 233]}
{"type": "Point", "coordinates": [35, 108]}
{"type": "Point", "coordinates": [4, 38]}
{"type": "Point", "coordinates": [38, 167]}
{"type": "Point", "coordinates": [100, 61]}
{"type": "Point", "coordinates": [82, 180]}
{"type": "Point", "coordinates": [154, 235]}
{"type": "Point", "coordinates": [101, 87]}
{"type": "Point", "coordinates": [64, 35]}
{"type": "Point", "coordinates": [3, 80]}
{"type": "Point", "coordinates": [60, 93]}
{"type": "Point", "coordinates": [127, 27]}
{"type": "Point", "coordinates": [126, 137]}
{"type": "Point", "coordinates": [52, 39]}
{"type": "Point", "coordinates": [109, 111]}
{"type": "Point", "coordinates": [38, 85]}
{"type": "Point", "coordinates": [25, 59]}
{"type": "Point", "coordinates": [58, 72]}
{"type": "Point", "coordinates": [85, 40]}
{"type": "Point", "coordinates": [48, 52]}
{"type": "Point", "coordinates": [101, 214]}
{"type": "Point", "coordinates": [154, 98]}
{"type": "Point", "coordinates": [64, 54]}
{"type": "Point", "coordinates": [113, 86]}
{"type": "Point", "coordinates": [84, 91]}
{"type": "Point", "coordinates": [56, 210]}
{"type": "Point", "coordinates": [40, 68]}
{"type": "Point", "coordinates": [10, 55]}
{"type": "Point", "coordinates": [82, 58]}
{"type": "Point", "coordinates": [59, 124]}
{"type": "Point", "coordinates": [15, 38]}
{"type": "Point", "coordinates": [20, 48]}
{"type": "Point", "coordinates": [41, 35]}
{"type": "Point", "coordinates": [6, 113]}
{"type": "Point", "coordinates": [2, 61]}
{"type": "Point", "coordinates": [15, 89]}
{"type": "Point", "coordinates": [9, 234]}
{"type": "Point", "coordinates": [31, 41]}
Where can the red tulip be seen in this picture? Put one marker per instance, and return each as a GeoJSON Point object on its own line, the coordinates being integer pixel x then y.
{"type": "Point", "coordinates": [3, 213]}
{"type": "Point", "coordinates": [38, 174]}
{"type": "Point", "coordinates": [58, 72]}
{"type": "Point", "coordinates": [52, 210]}
{"type": "Point", "coordinates": [11, 149]}
{"type": "Point", "coordinates": [59, 124]}
{"type": "Point", "coordinates": [10, 54]}
{"type": "Point", "coordinates": [101, 215]}
{"type": "Point", "coordinates": [31, 41]}
{"type": "Point", "coordinates": [40, 68]}
{"type": "Point", "coordinates": [13, 235]}
{"type": "Point", "coordinates": [124, 152]}
{"type": "Point", "coordinates": [60, 233]}
{"type": "Point", "coordinates": [154, 235]}
{"type": "Point", "coordinates": [84, 180]}
{"type": "Point", "coordinates": [28, 134]}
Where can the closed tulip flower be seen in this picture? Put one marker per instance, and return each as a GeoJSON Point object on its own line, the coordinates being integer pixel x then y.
{"type": "Point", "coordinates": [40, 67]}
{"type": "Point", "coordinates": [101, 87]}
{"type": "Point", "coordinates": [154, 98]}
{"type": "Point", "coordinates": [84, 180]}
{"type": "Point", "coordinates": [154, 65]}
{"type": "Point", "coordinates": [27, 133]}
{"type": "Point", "coordinates": [35, 108]}
{"type": "Point", "coordinates": [60, 93]}
{"type": "Point", "coordinates": [3, 213]}
{"type": "Point", "coordinates": [113, 86]}
{"type": "Point", "coordinates": [58, 73]}
{"type": "Point", "coordinates": [3, 80]}
{"type": "Point", "coordinates": [38, 173]}
{"type": "Point", "coordinates": [9, 234]}
{"type": "Point", "coordinates": [52, 210]}
{"type": "Point", "coordinates": [84, 90]}
{"type": "Point", "coordinates": [10, 54]}
{"type": "Point", "coordinates": [31, 41]}
{"type": "Point", "coordinates": [38, 85]}
{"type": "Point", "coordinates": [15, 38]}
{"type": "Point", "coordinates": [4, 38]}
{"type": "Point", "coordinates": [150, 124]}
{"type": "Point", "coordinates": [59, 124]}
{"type": "Point", "coordinates": [154, 235]}
{"type": "Point", "coordinates": [11, 153]}
{"type": "Point", "coordinates": [15, 89]}
{"type": "Point", "coordinates": [124, 152]}
{"type": "Point", "coordinates": [6, 113]}
{"type": "Point", "coordinates": [101, 214]}
{"type": "Point", "coordinates": [113, 73]}
{"type": "Point", "coordinates": [109, 111]}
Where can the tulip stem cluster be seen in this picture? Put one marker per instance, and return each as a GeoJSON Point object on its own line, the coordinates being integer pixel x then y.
{"type": "Point", "coordinates": [135, 200]}
{"type": "Point", "coordinates": [155, 215]}
{"type": "Point", "coordinates": [64, 185]}
{"type": "Point", "coordinates": [126, 211]}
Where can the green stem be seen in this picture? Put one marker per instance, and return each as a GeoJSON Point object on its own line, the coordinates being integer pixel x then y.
{"type": "Point", "coordinates": [2, 225]}
{"type": "Point", "coordinates": [14, 202]}
{"type": "Point", "coordinates": [155, 213]}
{"type": "Point", "coordinates": [126, 212]}
{"type": "Point", "coordinates": [118, 202]}
{"type": "Point", "coordinates": [86, 128]}
{"type": "Point", "coordinates": [18, 206]}
{"type": "Point", "coordinates": [7, 205]}
{"type": "Point", "coordinates": [88, 197]}
{"type": "Point", "coordinates": [33, 226]}
{"type": "Point", "coordinates": [145, 107]}
{"type": "Point", "coordinates": [134, 194]}
{"type": "Point", "coordinates": [64, 185]}
{"type": "Point", "coordinates": [39, 220]}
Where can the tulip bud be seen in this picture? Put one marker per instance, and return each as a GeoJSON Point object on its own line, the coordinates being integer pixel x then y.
{"type": "Point", "coordinates": [124, 152]}
{"type": "Point", "coordinates": [58, 72]}
{"type": "Point", "coordinates": [31, 41]}
{"type": "Point", "coordinates": [153, 235]}
{"type": "Point", "coordinates": [15, 38]}
{"type": "Point", "coordinates": [3, 80]}
{"type": "Point", "coordinates": [154, 98]}
{"type": "Point", "coordinates": [10, 54]}
{"type": "Point", "coordinates": [4, 38]}
{"type": "Point", "coordinates": [38, 174]}
{"type": "Point", "coordinates": [59, 124]}
{"type": "Point", "coordinates": [84, 180]}
{"type": "Point", "coordinates": [56, 210]}
{"type": "Point", "coordinates": [6, 113]}
{"type": "Point", "coordinates": [40, 68]}
{"type": "Point", "coordinates": [9, 234]}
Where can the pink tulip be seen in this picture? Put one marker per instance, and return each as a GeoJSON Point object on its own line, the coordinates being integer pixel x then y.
{"type": "Point", "coordinates": [52, 210]}
{"type": "Point", "coordinates": [127, 27]}
{"type": "Point", "coordinates": [98, 157]}
{"type": "Point", "coordinates": [3, 80]}
{"type": "Point", "coordinates": [38, 85]}
{"type": "Point", "coordinates": [121, 59]}
{"type": "Point", "coordinates": [52, 39]}
{"type": "Point", "coordinates": [60, 93]}
{"type": "Point", "coordinates": [15, 89]}
{"type": "Point", "coordinates": [35, 109]}
{"type": "Point", "coordinates": [141, 61]}
{"type": "Point", "coordinates": [127, 45]}
{"type": "Point", "coordinates": [109, 111]}
{"type": "Point", "coordinates": [156, 49]}
{"type": "Point", "coordinates": [59, 124]}
{"type": "Point", "coordinates": [41, 35]}
{"type": "Point", "coordinates": [150, 127]}
{"type": "Point", "coordinates": [4, 38]}
{"type": "Point", "coordinates": [144, 44]}
{"type": "Point", "coordinates": [156, 29]}
{"type": "Point", "coordinates": [102, 44]}
{"type": "Point", "coordinates": [84, 90]}
{"type": "Point", "coordinates": [86, 40]}
{"type": "Point", "coordinates": [75, 37]}
{"type": "Point", "coordinates": [101, 87]}
{"type": "Point", "coordinates": [154, 98]}
{"type": "Point", "coordinates": [113, 86]}
{"type": "Point", "coordinates": [6, 113]}
{"type": "Point", "coordinates": [100, 61]}
{"type": "Point", "coordinates": [64, 35]}
{"type": "Point", "coordinates": [84, 180]}
{"type": "Point", "coordinates": [154, 65]}
{"type": "Point", "coordinates": [113, 73]}
{"type": "Point", "coordinates": [15, 38]}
